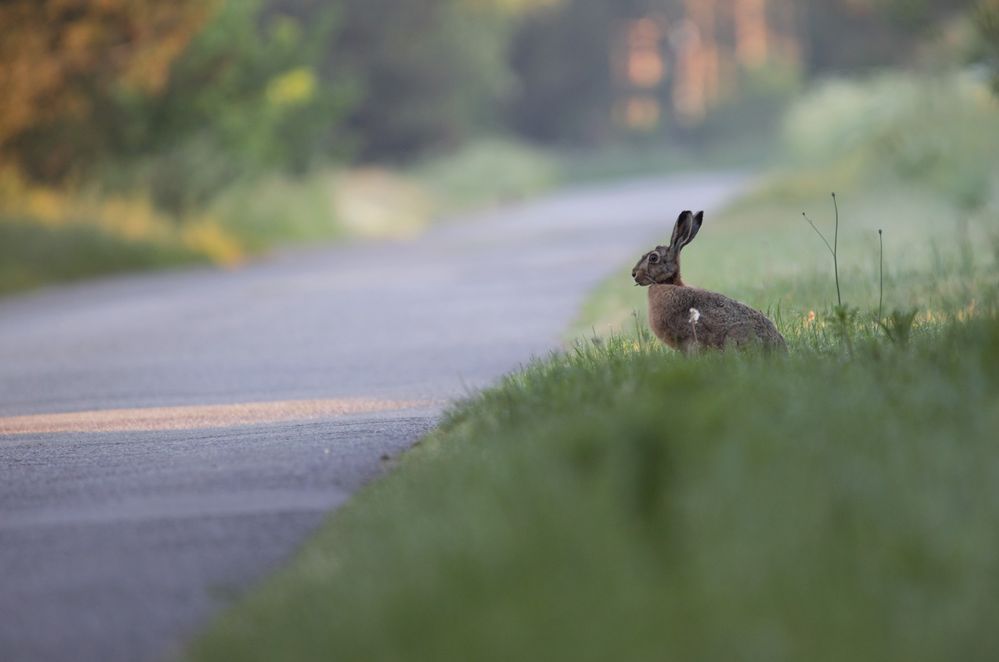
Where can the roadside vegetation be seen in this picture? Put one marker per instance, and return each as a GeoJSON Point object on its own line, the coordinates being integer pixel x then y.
{"type": "Point", "coordinates": [142, 134]}
{"type": "Point", "coordinates": [49, 235]}
{"type": "Point", "coordinates": [619, 501]}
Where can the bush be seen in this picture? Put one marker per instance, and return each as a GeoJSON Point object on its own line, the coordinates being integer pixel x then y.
{"type": "Point", "coordinates": [49, 235]}
{"type": "Point", "coordinates": [487, 172]}
{"type": "Point", "coordinates": [940, 132]}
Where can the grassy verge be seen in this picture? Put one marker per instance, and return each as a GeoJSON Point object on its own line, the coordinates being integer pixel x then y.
{"type": "Point", "coordinates": [617, 501]}
{"type": "Point", "coordinates": [32, 254]}
{"type": "Point", "coordinates": [51, 235]}
{"type": "Point", "coordinates": [47, 236]}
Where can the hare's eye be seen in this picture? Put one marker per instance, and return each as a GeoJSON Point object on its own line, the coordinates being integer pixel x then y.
{"type": "Point", "coordinates": [653, 258]}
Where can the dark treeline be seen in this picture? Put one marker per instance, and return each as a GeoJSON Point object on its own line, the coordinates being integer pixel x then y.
{"type": "Point", "coordinates": [184, 97]}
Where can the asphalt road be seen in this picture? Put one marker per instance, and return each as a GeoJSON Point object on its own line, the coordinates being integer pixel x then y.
{"type": "Point", "coordinates": [166, 440]}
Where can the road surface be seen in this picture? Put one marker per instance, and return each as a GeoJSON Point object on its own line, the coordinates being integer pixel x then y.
{"type": "Point", "coordinates": [166, 440]}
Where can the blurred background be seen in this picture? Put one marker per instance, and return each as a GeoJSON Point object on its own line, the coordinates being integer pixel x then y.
{"type": "Point", "coordinates": [137, 133]}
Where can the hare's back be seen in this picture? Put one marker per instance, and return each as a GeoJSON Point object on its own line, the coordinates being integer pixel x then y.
{"type": "Point", "coordinates": [723, 320]}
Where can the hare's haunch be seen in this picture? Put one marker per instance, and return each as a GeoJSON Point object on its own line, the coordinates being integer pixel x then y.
{"type": "Point", "coordinates": [686, 318]}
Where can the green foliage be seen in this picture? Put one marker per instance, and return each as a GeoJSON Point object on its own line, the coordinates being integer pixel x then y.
{"type": "Point", "coordinates": [191, 96]}
{"type": "Point", "coordinates": [487, 172]}
{"type": "Point", "coordinates": [273, 210]}
{"type": "Point", "coordinates": [754, 106]}
{"type": "Point", "coordinates": [32, 254]}
{"type": "Point", "coordinates": [179, 100]}
{"type": "Point", "coordinates": [266, 103]}
{"type": "Point", "coordinates": [939, 132]}
{"type": "Point", "coordinates": [245, 99]}
{"type": "Point", "coordinates": [226, 115]}
{"type": "Point", "coordinates": [254, 214]}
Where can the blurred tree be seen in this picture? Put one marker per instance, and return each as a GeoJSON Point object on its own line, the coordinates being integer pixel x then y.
{"type": "Point", "coordinates": [724, 61]}
{"type": "Point", "coordinates": [180, 98]}
{"type": "Point", "coordinates": [246, 97]}
{"type": "Point", "coordinates": [61, 62]}
{"type": "Point", "coordinates": [589, 71]}
{"type": "Point", "coordinates": [561, 60]}
{"type": "Point", "coordinates": [430, 71]}
{"type": "Point", "coordinates": [847, 35]}
{"type": "Point", "coordinates": [987, 22]}
{"type": "Point", "coordinates": [186, 96]}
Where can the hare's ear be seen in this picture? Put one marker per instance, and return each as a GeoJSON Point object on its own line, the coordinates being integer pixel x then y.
{"type": "Point", "coordinates": [680, 229]}
{"type": "Point", "coordinates": [695, 227]}
{"type": "Point", "coordinates": [686, 229]}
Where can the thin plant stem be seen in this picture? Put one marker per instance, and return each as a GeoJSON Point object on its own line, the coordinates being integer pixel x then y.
{"type": "Point", "coordinates": [881, 275]}
{"type": "Point", "coordinates": [839, 299]}
{"type": "Point", "coordinates": [833, 248]}
{"type": "Point", "coordinates": [819, 232]}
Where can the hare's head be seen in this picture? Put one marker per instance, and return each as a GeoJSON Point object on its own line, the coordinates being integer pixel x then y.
{"type": "Point", "coordinates": [662, 264]}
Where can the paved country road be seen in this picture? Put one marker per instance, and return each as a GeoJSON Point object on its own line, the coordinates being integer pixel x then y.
{"type": "Point", "coordinates": [166, 440]}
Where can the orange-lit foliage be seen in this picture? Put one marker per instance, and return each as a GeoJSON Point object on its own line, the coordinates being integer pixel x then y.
{"type": "Point", "coordinates": [61, 59]}
{"type": "Point", "coordinates": [752, 31]}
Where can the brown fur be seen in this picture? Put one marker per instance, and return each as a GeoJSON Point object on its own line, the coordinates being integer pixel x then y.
{"type": "Point", "coordinates": [723, 322]}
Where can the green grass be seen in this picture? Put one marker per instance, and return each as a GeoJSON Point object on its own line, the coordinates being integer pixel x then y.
{"type": "Point", "coordinates": [32, 255]}
{"type": "Point", "coordinates": [279, 210]}
{"type": "Point", "coordinates": [761, 251]}
{"type": "Point", "coordinates": [619, 501]}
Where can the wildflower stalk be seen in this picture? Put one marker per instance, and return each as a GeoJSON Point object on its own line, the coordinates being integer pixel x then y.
{"type": "Point", "coordinates": [833, 248]}
{"type": "Point", "coordinates": [839, 299]}
{"type": "Point", "coordinates": [881, 275]}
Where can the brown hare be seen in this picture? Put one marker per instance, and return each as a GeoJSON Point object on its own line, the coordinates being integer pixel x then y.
{"type": "Point", "coordinates": [687, 318]}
